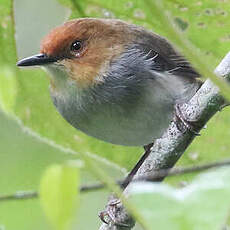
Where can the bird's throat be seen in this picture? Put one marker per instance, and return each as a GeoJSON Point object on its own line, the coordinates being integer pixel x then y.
{"type": "Point", "coordinates": [58, 76]}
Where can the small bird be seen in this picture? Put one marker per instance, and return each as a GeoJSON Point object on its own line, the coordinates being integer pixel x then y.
{"type": "Point", "coordinates": [113, 80]}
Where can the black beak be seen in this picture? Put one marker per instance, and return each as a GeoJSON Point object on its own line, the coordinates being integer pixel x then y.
{"type": "Point", "coordinates": [39, 59]}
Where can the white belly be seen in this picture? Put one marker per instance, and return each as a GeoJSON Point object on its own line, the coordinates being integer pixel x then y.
{"type": "Point", "coordinates": [134, 124]}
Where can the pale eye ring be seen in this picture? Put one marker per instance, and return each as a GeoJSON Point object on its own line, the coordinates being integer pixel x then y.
{"type": "Point", "coordinates": [76, 46]}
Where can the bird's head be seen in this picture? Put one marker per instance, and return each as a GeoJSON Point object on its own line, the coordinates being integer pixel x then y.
{"type": "Point", "coordinates": [84, 48]}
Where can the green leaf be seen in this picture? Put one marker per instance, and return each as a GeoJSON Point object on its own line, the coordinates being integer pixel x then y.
{"type": "Point", "coordinates": [8, 89]}
{"type": "Point", "coordinates": [8, 55]}
{"type": "Point", "coordinates": [204, 204]}
{"type": "Point", "coordinates": [7, 42]}
{"type": "Point", "coordinates": [59, 194]}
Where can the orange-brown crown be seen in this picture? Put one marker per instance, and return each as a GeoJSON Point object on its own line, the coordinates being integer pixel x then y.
{"type": "Point", "coordinates": [103, 40]}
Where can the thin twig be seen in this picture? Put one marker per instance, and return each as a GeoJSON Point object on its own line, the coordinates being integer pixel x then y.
{"type": "Point", "coordinates": [20, 195]}
{"type": "Point", "coordinates": [25, 195]}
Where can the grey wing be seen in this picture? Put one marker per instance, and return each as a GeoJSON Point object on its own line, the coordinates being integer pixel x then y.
{"type": "Point", "coordinates": [175, 64]}
{"type": "Point", "coordinates": [166, 58]}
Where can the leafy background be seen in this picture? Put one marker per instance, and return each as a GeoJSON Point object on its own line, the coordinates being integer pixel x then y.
{"type": "Point", "coordinates": [24, 96]}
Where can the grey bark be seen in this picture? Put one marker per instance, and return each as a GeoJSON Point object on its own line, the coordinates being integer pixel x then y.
{"type": "Point", "coordinates": [170, 147]}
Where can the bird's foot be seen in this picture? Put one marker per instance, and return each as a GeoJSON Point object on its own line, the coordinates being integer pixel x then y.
{"type": "Point", "coordinates": [114, 215]}
{"type": "Point", "coordinates": [191, 125]}
{"type": "Point", "coordinates": [148, 147]}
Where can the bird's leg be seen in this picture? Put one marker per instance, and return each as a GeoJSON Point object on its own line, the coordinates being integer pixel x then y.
{"type": "Point", "coordinates": [111, 215]}
{"type": "Point", "coordinates": [191, 125]}
{"type": "Point", "coordinates": [114, 204]}
{"type": "Point", "coordinates": [130, 176]}
{"type": "Point", "coordinates": [115, 214]}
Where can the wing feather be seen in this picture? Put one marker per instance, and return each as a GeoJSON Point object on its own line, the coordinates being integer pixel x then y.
{"type": "Point", "coordinates": [165, 56]}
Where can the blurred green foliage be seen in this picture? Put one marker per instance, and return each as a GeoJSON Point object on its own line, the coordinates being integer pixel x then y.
{"type": "Point", "coordinates": [23, 159]}
{"type": "Point", "coordinates": [24, 94]}
{"type": "Point", "coordinates": [204, 204]}
{"type": "Point", "coordinates": [59, 194]}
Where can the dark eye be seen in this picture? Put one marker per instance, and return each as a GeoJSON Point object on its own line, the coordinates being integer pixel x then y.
{"type": "Point", "coordinates": [76, 46]}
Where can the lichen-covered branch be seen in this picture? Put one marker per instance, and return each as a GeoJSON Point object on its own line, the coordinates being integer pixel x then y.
{"type": "Point", "coordinates": [170, 147]}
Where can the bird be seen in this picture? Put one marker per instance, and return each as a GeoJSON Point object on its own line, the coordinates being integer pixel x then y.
{"type": "Point", "coordinates": [113, 80]}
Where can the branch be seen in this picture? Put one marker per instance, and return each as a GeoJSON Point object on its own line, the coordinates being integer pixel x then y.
{"type": "Point", "coordinates": [169, 148]}
{"type": "Point", "coordinates": [25, 195]}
